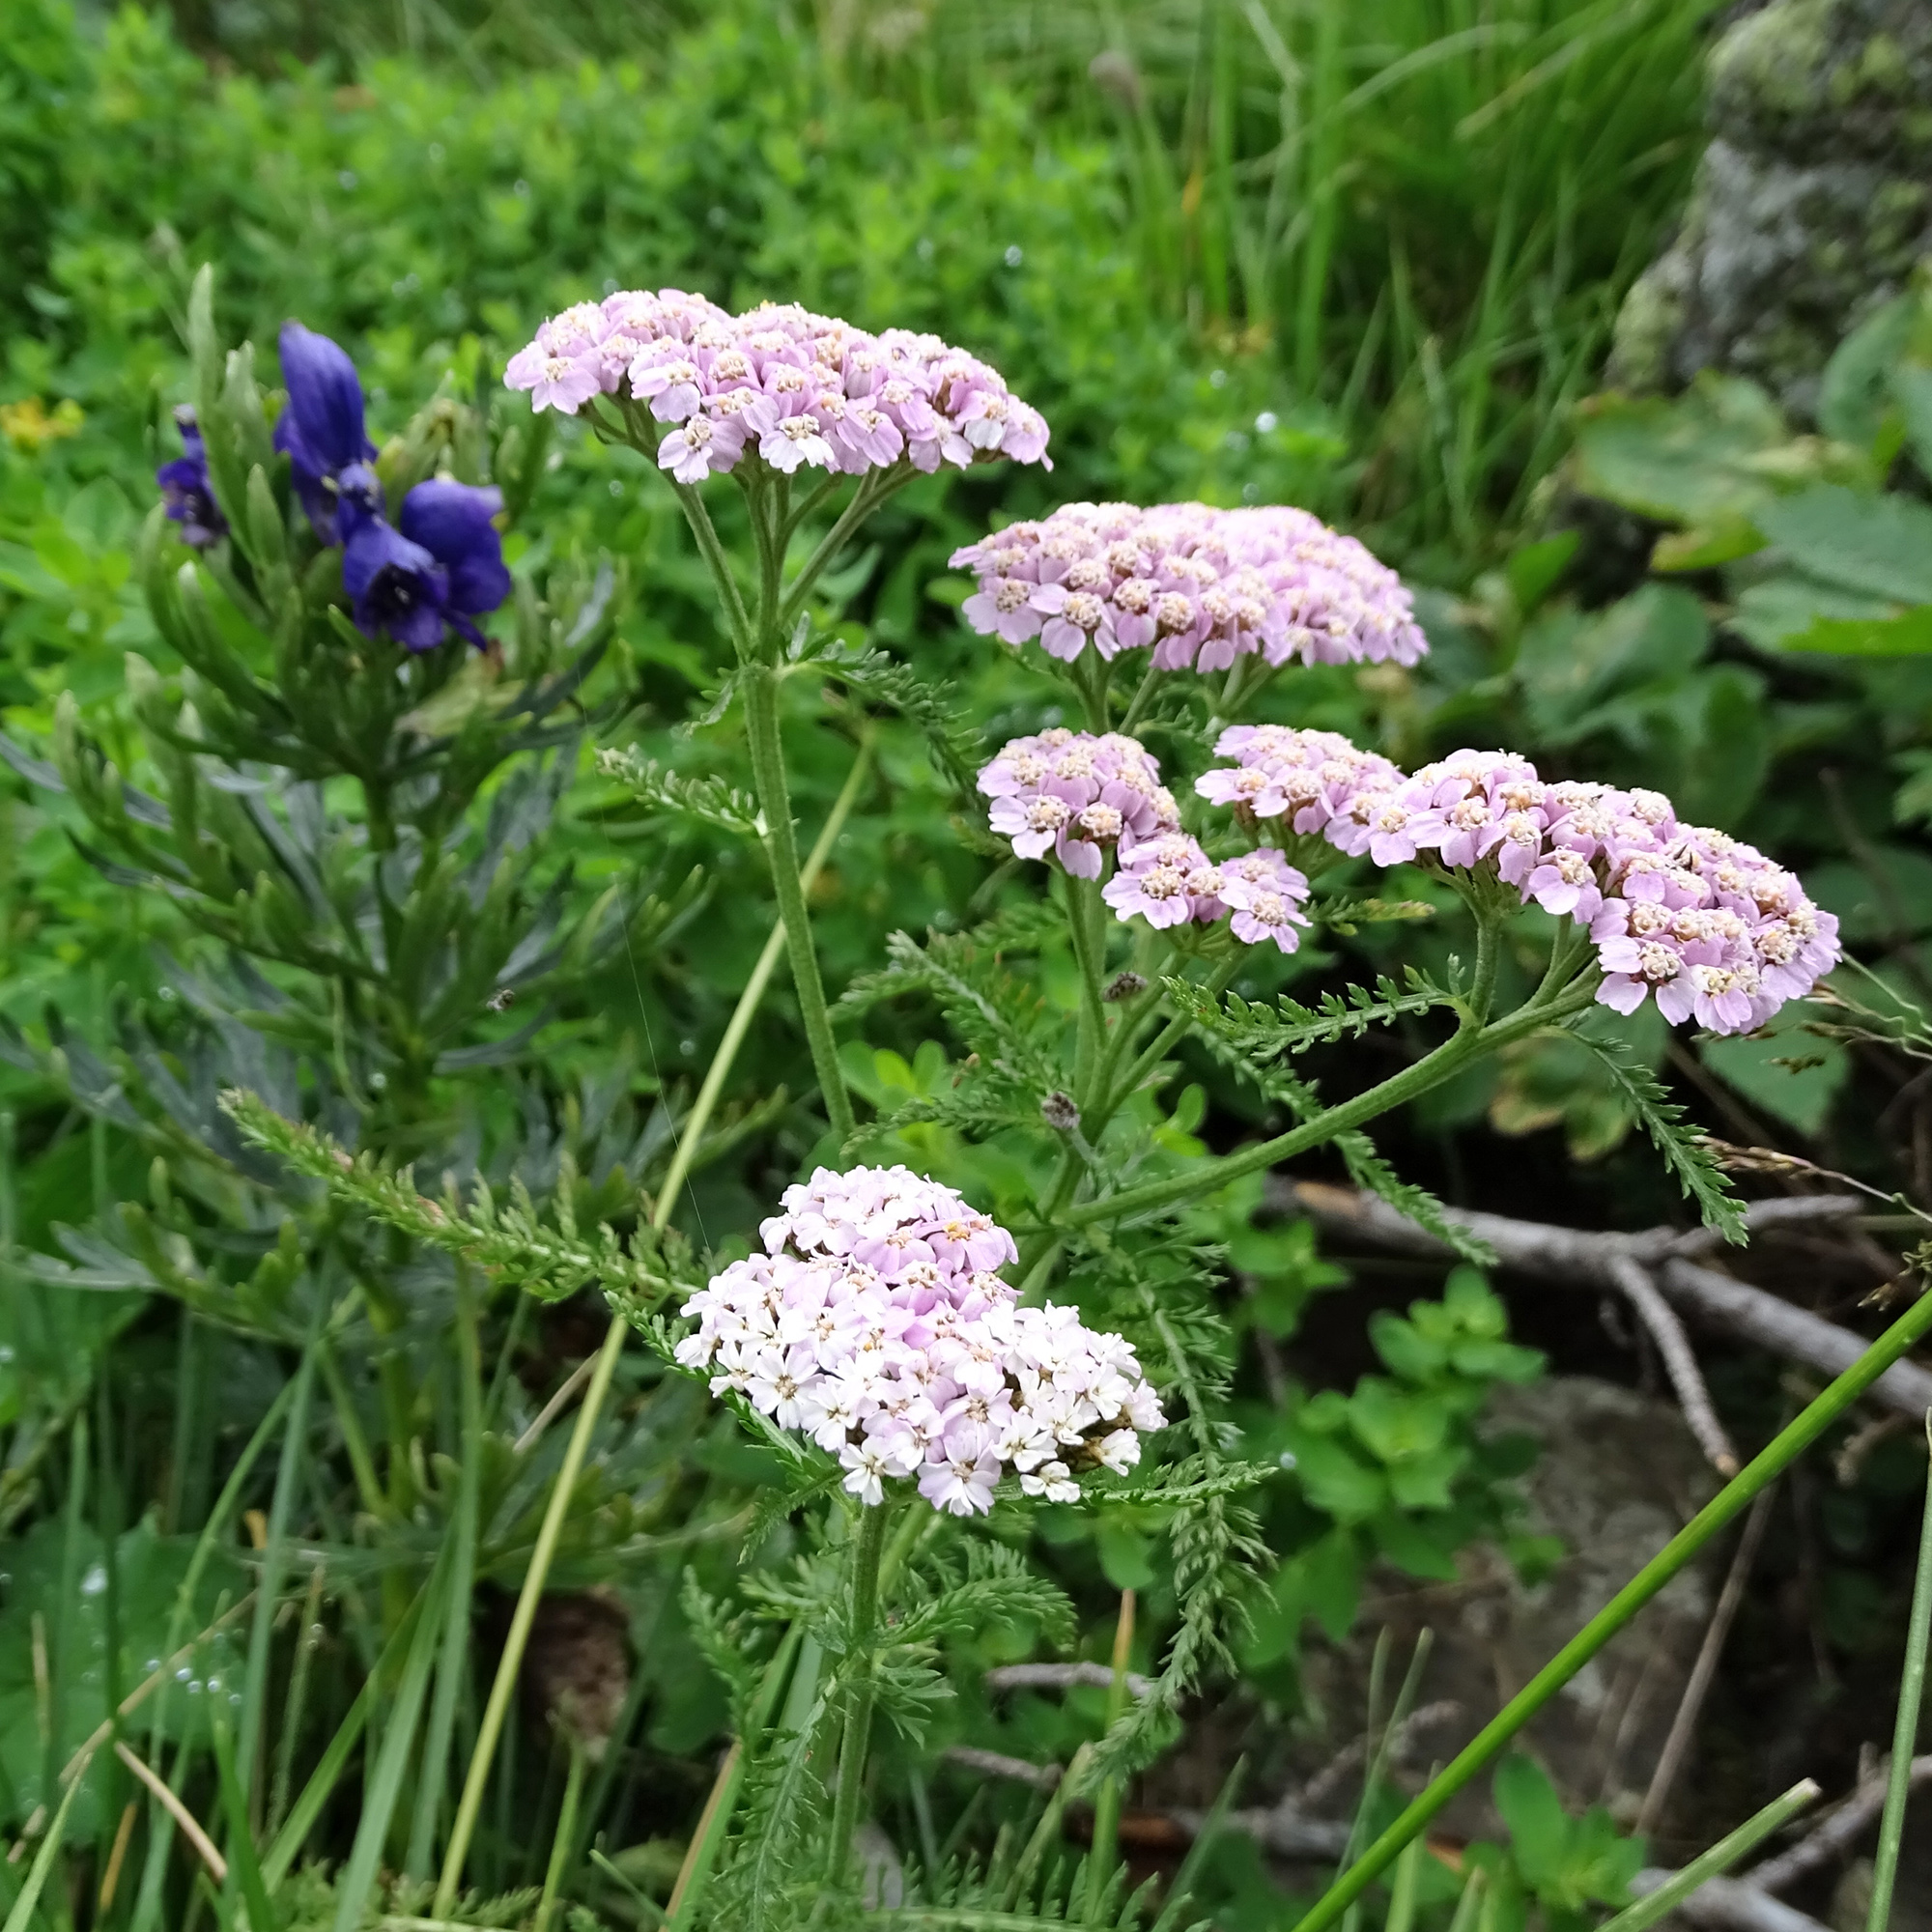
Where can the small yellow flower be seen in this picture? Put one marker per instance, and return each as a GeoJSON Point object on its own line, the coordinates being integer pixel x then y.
{"type": "Point", "coordinates": [29, 428]}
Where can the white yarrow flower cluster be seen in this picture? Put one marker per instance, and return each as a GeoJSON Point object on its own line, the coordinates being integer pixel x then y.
{"type": "Point", "coordinates": [875, 1324]}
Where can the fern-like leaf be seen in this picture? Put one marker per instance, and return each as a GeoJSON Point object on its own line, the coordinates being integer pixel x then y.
{"type": "Point", "coordinates": [709, 800]}
{"type": "Point", "coordinates": [1681, 1145]}
{"type": "Point", "coordinates": [1289, 1027]}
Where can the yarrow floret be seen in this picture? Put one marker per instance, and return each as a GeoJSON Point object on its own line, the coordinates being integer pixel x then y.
{"type": "Point", "coordinates": [876, 1325]}
{"type": "Point", "coordinates": [790, 387]}
{"type": "Point", "coordinates": [1079, 796]}
{"type": "Point", "coordinates": [1701, 920]}
{"type": "Point", "coordinates": [1203, 587]}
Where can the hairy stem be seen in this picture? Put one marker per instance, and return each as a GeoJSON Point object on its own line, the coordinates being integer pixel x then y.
{"type": "Point", "coordinates": [1143, 694]}
{"type": "Point", "coordinates": [761, 720]}
{"type": "Point", "coordinates": [1784, 1449]}
{"type": "Point", "coordinates": [867, 1546]}
{"type": "Point", "coordinates": [873, 490]}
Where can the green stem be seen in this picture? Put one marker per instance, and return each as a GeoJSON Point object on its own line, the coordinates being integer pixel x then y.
{"type": "Point", "coordinates": [1107, 1799]}
{"type": "Point", "coordinates": [1719, 1860]}
{"type": "Point", "coordinates": [1470, 1042]}
{"type": "Point", "coordinates": [1164, 1042]}
{"type": "Point", "coordinates": [742, 1015]}
{"type": "Point", "coordinates": [761, 720]}
{"type": "Point", "coordinates": [1785, 1448]}
{"type": "Point", "coordinates": [873, 490]}
{"type": "Point", "coordinates": [736, 617]}
{"type": "Point", "coordinates": [1143, 694]}
{"type": "Point", "coordinates": [1489, 952]}
{"type": "Point", "coordinates": [694, 1125]}
{"type": "Point", "coordinates": [1083, 898]}
{"type": "Point", "coordinates": [867, 1547]}
{"type": "Point", "coordinates": [510, 1664]}
{"type": "Point", "coordinates": [1905, 1732]}
{"type": "Point", "coordinates": [560, 1845]}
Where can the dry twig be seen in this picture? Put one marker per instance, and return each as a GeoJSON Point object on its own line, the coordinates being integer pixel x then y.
{"type": "Point", "coordinates": [1575, 1258]}
{"type": "Point", "coordinates": [1730, 1905]}
{"type": "Point", "coordinates": [1838, 1833]}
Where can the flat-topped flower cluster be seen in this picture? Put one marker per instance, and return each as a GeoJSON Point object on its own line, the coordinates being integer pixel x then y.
{"type": "Point", "coordinates": [875, 1324]}
{"type": "Point", "coordinates": [1700, 919]}
{"type": "Point", "coordinates": [792, 388]}
{"type": "Point", "coordinates": [1079, 796]}
{"type": "Point", "coordinates": [1203, 587]}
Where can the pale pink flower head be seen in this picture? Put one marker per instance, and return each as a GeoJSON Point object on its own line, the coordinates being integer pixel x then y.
{"type": "Point", "coordinates": [875, 1325]}
{"type": "Point", "coordinates": [1076, 795]}
{"type": "Point", "coordinates": [1203, 587]}
{"type": "Point", "coordinates": [802, 390]}
{"type": "Point", "coordinates": [1169, 881]}
{"type": "Point", "coordinates": [1266, 895]}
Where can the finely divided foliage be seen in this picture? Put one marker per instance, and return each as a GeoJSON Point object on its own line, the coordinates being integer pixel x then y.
{"type": "Point", "coordinates": [994, 1297]}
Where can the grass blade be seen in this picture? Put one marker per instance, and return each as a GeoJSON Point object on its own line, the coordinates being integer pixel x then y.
{"type": "Point", "coordinates": [244, 1866]}
{"type": "Point", "coordinates": [1905, 1735]}
{"type": "Point", "coordinates": [21, 1917]}
{"type": "Point", "coordinates": [1714, 1863]}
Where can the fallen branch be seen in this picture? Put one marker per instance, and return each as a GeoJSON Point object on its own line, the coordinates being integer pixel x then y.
{"type": "Point", "coordinates": [1575, 1257]}
{"type": "Point", "coordinates": [1838, 1833]}
{"type": "Point", "coordinates": [996, 1764]}
{"type": "Point", "coordinates": [1060, 1677]}
{"type": "Point", "coordinates": [1730, 1905]}
{"type": "Point", "coordinates": [1680, 1362]}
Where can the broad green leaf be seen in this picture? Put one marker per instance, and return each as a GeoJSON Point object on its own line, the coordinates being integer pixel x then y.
{"type": "Point", "coordinates": [1539, 1828]}
{"type": "Point", "coordinates": [1912, 387]}
{"type": "Point", "coordinates": [1690, 460]}
{"type": "Point", "coordinates": [1879, 546]}
{"type": "Point", "coordinates": [1852, 399]}
{"type": "Point", "coordinates": [1907, 635]}
{"type": "Point", "coordinates": [1781, 608]}
{"type": "Point", "coordinates": [1337, 1481]}
{"type": "Point", "coordinates": [1888, 897]}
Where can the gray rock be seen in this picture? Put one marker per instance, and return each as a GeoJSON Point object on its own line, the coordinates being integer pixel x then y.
{"type": "Point", "coordinates": [1811, 204]}
{"type": "Point", "coordinates": [1618, 1477]}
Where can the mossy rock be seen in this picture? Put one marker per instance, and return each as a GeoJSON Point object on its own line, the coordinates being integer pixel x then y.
{"type": "Point", "coordinates": [1812, 203]}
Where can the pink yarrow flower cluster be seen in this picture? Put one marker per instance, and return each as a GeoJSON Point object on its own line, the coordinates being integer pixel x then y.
{"type": "Point", "coordinates": [1077, 795]}
{"type": "Point", "coordinates": [1701, 920]}
{"type": "Point", "coordinates": [875, 1324]}
{"type": "Point", "coordinates": [1203, 587]}
{"type": "Point", "coordinates": [791, 387]}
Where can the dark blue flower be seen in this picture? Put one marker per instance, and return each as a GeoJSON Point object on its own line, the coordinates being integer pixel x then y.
{"type": "Point", "coordinates": [187, 491]}
{"type": "Point", "coordinates": [322, 429]}
{"type": "Point", "coordinates": [452, 521]}
{"type": "Point", "coordinates": [394, 585]}
{"type": "Point", "coordinates": [441, 571]}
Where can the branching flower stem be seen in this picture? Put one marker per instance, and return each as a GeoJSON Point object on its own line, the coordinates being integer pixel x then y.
{"type": "Point", "coordinates": [1470, 1041]}
{"type": "Point", "coordinates": [869, 1542]}
{"type": "Point", "coordinates": [1089, 938]}
{"type": "Point", "coordinates": [689, 1141]}
{"type": "Point", "coordinates": [1784, 1449]}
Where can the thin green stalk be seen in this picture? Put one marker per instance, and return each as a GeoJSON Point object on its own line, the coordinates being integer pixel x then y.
{"type": "Point", "coordinates": [504, 1684]}
{"type": "Point", "coordinates": [1785, 1448]}
{"type": "Point", "coordinates": [1081, 896]}
{"type": "Point", "coordinates": [873, 490]}
{"type": "Point", "coordinates": [1905, 1733]}
{"type": "Point", "coordinates": [454, 1667]}
{"type": "Point", "coordinates": [21, 1917]}
{"type": "Point", "coordinates": [1107, 1799]}
{"type": "Point", "coordinates": [866, 1549]}
{"type": "Point", "coordinates": [1143, 695]}
{"type": "Point", "coordinates": [761, 720]}
{"type": "Point", "coordinates": [748, 1000]}
{"type": "Point", "coordinates": [1163, 1042]}
{"type": "Point", "coordinates": [701, 1855]}
{"type": "Point", "coordinates": [560, 1844]}
{"type": "Point", "coordinates": [736, 617]}
{"type": "Point", "coordinates": [489, 1729]}
{"type": "Point", "coordinates": [269, 1584]}
{"type": "Point", "coordinates": [1720, 1858]}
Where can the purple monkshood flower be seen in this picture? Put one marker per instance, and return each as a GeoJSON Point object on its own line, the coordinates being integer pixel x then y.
{"type": "Point", "coordinates": [187, 491]}
{"type": "Point", "coordinates": [322, 429]}
{"type": "Point", "coordinates": [441, 571]}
